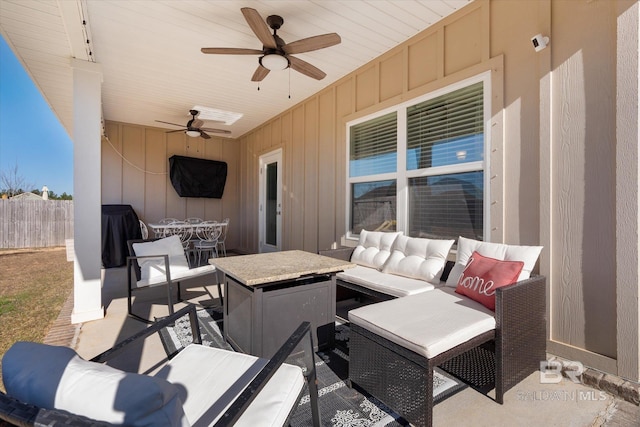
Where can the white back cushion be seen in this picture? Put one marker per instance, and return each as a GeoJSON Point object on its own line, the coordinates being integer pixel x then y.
{"type": "Point", "coordinates": [152, 270]}
{"type": "Point", "coordinates": [527, 254]}
{"type": "Point", "coordinates": [54, 377]}
{"type": "Point", "coordinates": [418, 258]}
{"type": "Point", "coordinates": [374, 247]}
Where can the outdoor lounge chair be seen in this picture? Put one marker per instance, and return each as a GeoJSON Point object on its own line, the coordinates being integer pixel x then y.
{"type": "Point", "coordinates": [50, 385]}
{"type": "Point", "coordinates": [163, 262]}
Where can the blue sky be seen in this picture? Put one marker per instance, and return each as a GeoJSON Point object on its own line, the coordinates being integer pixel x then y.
{"type": "Point", "coordinates": [31, 136]}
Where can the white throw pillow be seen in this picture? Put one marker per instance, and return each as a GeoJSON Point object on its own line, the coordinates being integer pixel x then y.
{"type": "Point", "coordinates": [527, 254]}
{"type": "Point", "coordinates": [418, 258]}
{"type": "Point", "coordinates": [374, 247]}
{"type": "Point", "coordinates": [53, 377]}
{"type": "Point", "coordinates": [152, 270]}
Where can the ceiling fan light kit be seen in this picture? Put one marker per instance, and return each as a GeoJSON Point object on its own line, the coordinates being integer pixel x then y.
{"type": "Point", "coordinates": [275, 53]}
{"type": "Point", "coordinates": [192, 133]}
{"type": "Point", "coordinates": [274, 62]}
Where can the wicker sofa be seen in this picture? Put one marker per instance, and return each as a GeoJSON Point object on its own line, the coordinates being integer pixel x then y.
{"type": "Point", "coordinates": [396, 343]}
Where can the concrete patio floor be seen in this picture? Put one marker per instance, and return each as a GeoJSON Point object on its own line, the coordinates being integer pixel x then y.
{"type": "Point", "coordinates": [530, 403]}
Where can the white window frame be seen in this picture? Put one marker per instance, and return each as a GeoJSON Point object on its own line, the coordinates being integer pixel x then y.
{"type": "Point", "coordinates": [402, 175]}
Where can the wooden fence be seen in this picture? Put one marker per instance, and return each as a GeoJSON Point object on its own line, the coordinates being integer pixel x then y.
{"type": "Point", "coordinates": [35, 223]}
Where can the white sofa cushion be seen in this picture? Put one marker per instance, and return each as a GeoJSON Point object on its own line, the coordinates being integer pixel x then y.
{"type": "Point", "coordinates": [374, 247]}
{"type": "Point", "coordinates": [221, 376]}
{"type": "Point", "coordinates": [527, 254]}
{"type": "Point", "coordinates": [428, 323]}
{"type": "Point", "coordinates": [54, 377]}
{"type": "Point", "coordinates": [418, 258]}
{"type": "Point", "coordinates": [152, 270]}
{"type": "Point", "coordinates": [397, 286]}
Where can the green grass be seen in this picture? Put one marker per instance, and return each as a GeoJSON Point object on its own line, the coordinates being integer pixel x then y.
{"type": "Point", "coordinates": [34, 286]}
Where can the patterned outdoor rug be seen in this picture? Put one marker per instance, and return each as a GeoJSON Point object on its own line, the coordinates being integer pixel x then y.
{"type": "Point", "coordinates": [340, 406]}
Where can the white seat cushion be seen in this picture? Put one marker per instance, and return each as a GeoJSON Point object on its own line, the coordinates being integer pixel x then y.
{"type": "Point", "coordinates": [527, 254]}
{"type": "Point", "coordinates": [56, 377]}
{"type": "Point", "coordinates": [428, 323]}
{"type": "Point", "coordinates": [210, 379]}
{"type": "Point", "coordinates": [374, 247]}
{"type": "Point", "coordinates": [153, 271]}
{"type": "Point", "coordinates": [390, 284]}
{"type": "Point", "coordinates": [179, 274]}
{"type": "Point", "coordinates": [418, 258]}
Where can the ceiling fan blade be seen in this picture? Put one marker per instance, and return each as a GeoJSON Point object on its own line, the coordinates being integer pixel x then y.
{"type": "Point", "coordinates": [312, 43]}
{"type": "Point", "coordinates": [172, 131]}
{"type": "Point", "coordinates": [230, 51]}
{"type": "Point", "coordinates": [260, 73]}
{"type": "Point", "coordinates": [305, 68]}
{"type": "Point", "coordinates": [196, 123]}
{"type": "Point", "coordinates": [224, 131]}
{"type": "Point", "coordinates": [259, 27]}
{"type": "Point", "coordinates": [168, 123]}
{"type": "Point", "coordinates": [204, 134]}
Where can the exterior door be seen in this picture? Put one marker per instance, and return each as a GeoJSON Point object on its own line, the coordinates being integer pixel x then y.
{"type": "Point", "coordinates": [271, 202]}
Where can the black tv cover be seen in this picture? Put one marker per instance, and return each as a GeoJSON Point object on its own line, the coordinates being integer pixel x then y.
{"type": "Point", "coordinates": [192, 177]}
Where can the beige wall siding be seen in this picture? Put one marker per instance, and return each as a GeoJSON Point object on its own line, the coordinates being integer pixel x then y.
{"type": "Point", "coordinates": [583, 101]}
{"type": "Point", "coordinates": [135, 171]}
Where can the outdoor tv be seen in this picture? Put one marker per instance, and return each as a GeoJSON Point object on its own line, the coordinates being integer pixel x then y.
{"type": "Point", "coordinates": [193, 177]}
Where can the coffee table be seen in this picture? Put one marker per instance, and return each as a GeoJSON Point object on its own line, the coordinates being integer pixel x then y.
{"type": "Point", "coordinates": [266, 297]}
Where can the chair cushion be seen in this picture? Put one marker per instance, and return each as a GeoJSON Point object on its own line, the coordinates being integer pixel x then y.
{"type": "Point", "coordinates": [179, 274]}
{"type": "Point", "coordinates": [230, 373]}
{"type": "Point", "coordinates": [483, 275]}
{"type": "Point", "coordinates": [527, 254]}
{"type": "Point", "coordinates": [418, 258]}
{"type": "Point", "coordinates": [152, 270]}
{"type": "Point", "coordinates": [397, 286]}
{"type": "Point", "coordinates": [54, 377]}
{"type": "Point", "coordinates": [428, 323]}
{"type": "Point", "coordinates": [374, 247]}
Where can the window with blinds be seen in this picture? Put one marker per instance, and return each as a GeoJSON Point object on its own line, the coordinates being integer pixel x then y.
{"type": "Point", "coordinates": [374, 147]}
{"type": "Point", "coordinates": [438, 191]}
{"type": "Point", "coordinates": [446, 130]}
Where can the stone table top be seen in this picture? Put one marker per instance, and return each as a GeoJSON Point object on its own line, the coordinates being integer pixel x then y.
{"type": "Point", "coordinates": [251, 270]}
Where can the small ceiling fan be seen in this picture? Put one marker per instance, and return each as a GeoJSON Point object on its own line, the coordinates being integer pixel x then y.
{"type": "Point", "coordinates": [194, 127]}
{"type": "Point", "coordinates": [276, 54]}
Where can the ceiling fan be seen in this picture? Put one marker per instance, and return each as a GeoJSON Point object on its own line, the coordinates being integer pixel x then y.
{"type": "Point", "coordinates": [276, 54]}
{"type": "Point", "coordinates": [194, 127]}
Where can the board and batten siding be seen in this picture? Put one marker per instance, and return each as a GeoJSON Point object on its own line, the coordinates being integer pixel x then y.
{"type": "Point", "coordinates": [135, 171]}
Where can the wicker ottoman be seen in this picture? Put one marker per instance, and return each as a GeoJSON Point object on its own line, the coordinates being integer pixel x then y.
{"type": "Point", "coordinates": [394, 345]}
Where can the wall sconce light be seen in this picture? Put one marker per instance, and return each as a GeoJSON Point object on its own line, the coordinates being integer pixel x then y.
{"type": "Point", "coordinates": [539, 42]}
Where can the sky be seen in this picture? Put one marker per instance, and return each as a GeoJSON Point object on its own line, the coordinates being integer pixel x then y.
{"type": "Point", "coordinates": [31, 137]}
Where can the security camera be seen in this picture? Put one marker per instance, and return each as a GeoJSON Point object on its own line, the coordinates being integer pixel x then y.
{"type": "Point", "coordinates": [539, 42]}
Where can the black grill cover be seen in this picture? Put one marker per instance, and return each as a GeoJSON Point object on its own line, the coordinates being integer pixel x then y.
{"type": "Point", "coordinates": [192, 177]}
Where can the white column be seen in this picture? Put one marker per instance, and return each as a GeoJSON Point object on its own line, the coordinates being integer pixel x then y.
{"type": "Point", "coordinates": [87, 130]}
{"type": "Point", "coordinates": [627, 189]}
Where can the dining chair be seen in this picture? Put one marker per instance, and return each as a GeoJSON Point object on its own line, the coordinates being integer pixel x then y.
{"type": "Point", "coordinates": [208, 234]}
{"type": "Point", "coordinates": [222, 249]}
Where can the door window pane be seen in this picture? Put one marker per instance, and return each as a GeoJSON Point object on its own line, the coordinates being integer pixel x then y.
{"type": "Point", "coordinates": [272, 204]}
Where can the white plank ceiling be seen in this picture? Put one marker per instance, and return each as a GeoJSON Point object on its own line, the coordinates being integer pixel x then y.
{"type": "Point", "coordinates": [150, 51]}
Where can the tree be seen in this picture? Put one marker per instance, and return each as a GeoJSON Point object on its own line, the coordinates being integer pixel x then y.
{"type": "Point", "coordinates": [12, 183]}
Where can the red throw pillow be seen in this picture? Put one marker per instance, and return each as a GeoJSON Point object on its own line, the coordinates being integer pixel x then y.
{"type": "Point", "coordinates": [482, 276]}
